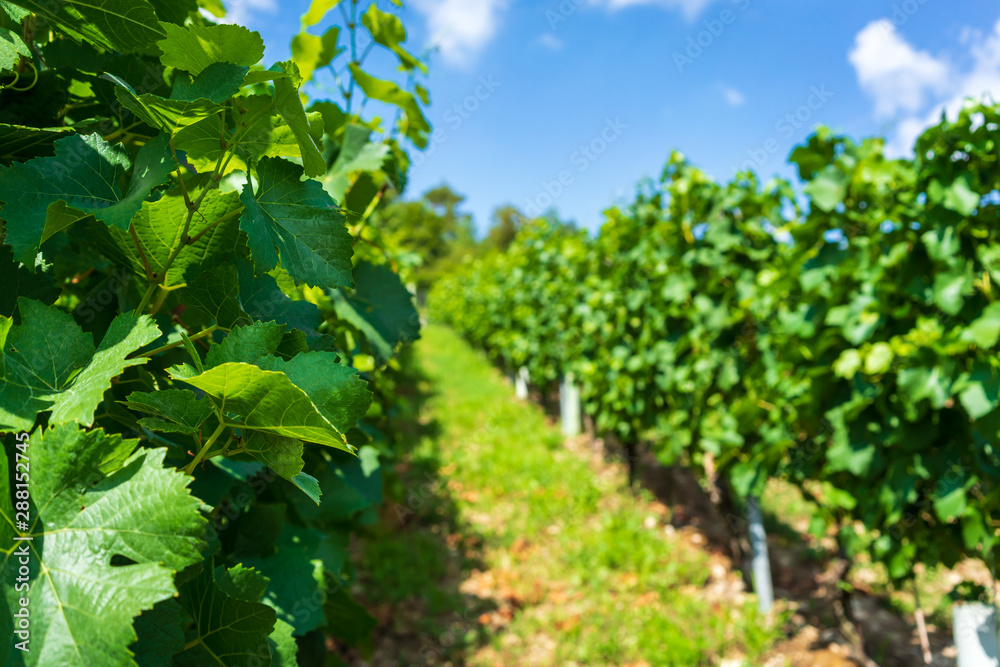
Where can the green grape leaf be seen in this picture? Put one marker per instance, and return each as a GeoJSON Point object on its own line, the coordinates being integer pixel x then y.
{"type": "Point", "coordinates": [19, 282]}
{"type": "Point", "coordinates": [980, 391]}
{"type": "Point", "coordinates": [958, 196]}
{"type": "Point", "coordinates": [351, 484]}
{"type": "Point", "coordinates": [291, 569]}
{"type": "Point", "coordinates": [347, 620]}
{"type": "Point", "coordinates": [828, 189]}
{"type": "Point", "coordinates": [174, 410]}
{"type": "Point", "coordinates": [423, 94]}
{"type": "Point", "coordinates": [879, 359]}
{"type": "Point", "coordinates": [298, 220]}
{"type": "Point", "coordinates": [283, 456]}
{"type": "Point", "coordinates": [213, 7]}
{"type": "Point", "coordinates": [241, 582]}
{"type": "Point", "coordinates": [950, 289]}
{"type": "Point", "coordinates": [984, 331]}
{"type": "Point", "coordinates": [159, 226]}
{"type": "Point", "coordinates": [381, 308]}
{"type": "Point", "coordinates": [308, 485]}
{"type": "Point", "coordinates": [362, 194]}
{"type": "Point", "coordinates": [174, 11]}
{"type": "Point", "coordinates": [272, 136]}
{"type": "Point", "coordinates": [170, 116]}
{"type": "Point", "coordinates": [247, 584]}
{"type": "Point", "coordinates": [18, 142]}
{"type": "Point", "coordinates": [195, 48]}
{"type": "Point", "coordinates": [228, 630]}
{"type": "Point", "coordinates": [82, 608]}
{"type": "Point", "coordinates": [335, 389]}
{"type": "Point", "coordinates": [415, 125]}
{"type": "Point", "coordinates": [317, 10]}
{"type": "Point", "coordinates": [116, 25]}
{"type": "Point", "coordinates": [202, 146]}
{"type": "Point", "coordinates": [260, 132]}
{"type": "Point", "coordinates": [264, 301]}
{"type": "Point", "coordinates": [128, 332]}
{"type": "Point", "coordinates": [922, 383]}
{"type": "Point", "coordinates": [334, 117]}
{"type": "Point", "coordinates": [85, 174]}
{"type": "Point", "coordinates": [260, 400]}
{"type": "Point", "coordinates": [950, 496]}
{"type": "Point", "coordinates": [280, 454]}
{"type": "Point", "coordinates": [310, 52]}
{"type": "Point", "coordinates": [356, 154]}
{"type": "Point", "coordinates": [49, 363]}
{"type": "Point", "coordinates": [263, 76]}
{"type": "Point", "coordinates": [14, 13]}
{"type": "Point", "coordinates": [942, 243]}
{"type": "Point", "coordinates": [217, 83]}
{"type": "Point", "coordinates": [288, 104]}
{"type": "Point", "coordinates": [386, 29]}
{"type": "Point", "coordinates": [12, 47]}
{"type": "Point", "coordinates": [247, 344]}
{"type": "Point", "coordinates": [160, 633]}
{"type": "Point", "coordinates": [216, 292]}
{"type": "Point", "coordinates": [284, 649]}
{"type": "Point", "coordinates": [847, 364]}
{"type": "Point", "coordinates": [852, 456]}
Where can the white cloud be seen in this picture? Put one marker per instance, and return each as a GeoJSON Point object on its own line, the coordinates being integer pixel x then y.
{"type": "Point", "coordinates": [733, 97]}
{"type": "Point", "coordinates": [926, 85]}
{"type": "Point", "coordinates": [550, 41]}
{"type": "Point", "coordinates": [896, 75]}
{"type": "Point", "coordinates": [690, 9]}
{"type": "Point", "coordinates": [461, 28]}
{"type": "Point", "coordinates": [241, 11]}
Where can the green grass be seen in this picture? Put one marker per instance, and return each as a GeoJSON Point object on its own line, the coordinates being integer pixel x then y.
{"type": "Point", "coordinates": [581, 566]}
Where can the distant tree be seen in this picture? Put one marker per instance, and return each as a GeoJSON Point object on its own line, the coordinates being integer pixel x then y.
{"type": "Point", "coordinates": [507, 220]}
{"type": "Point", "coordinates": [431, 232]}
{"type": "Point", "coordinates": [444, 200]}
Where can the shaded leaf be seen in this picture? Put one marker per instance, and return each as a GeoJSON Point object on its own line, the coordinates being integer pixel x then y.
{"type": "Point", "coordinates": [49, 363]}
{"type": "Point", "coordinates": [381, 308]}
{"type": "Point", "coordinates": [175, 410]}
{"type": "Point", "coordinates": [216, 292]}
{"type": "Point", "coordinates": [228, 631]}
{"type": "Point", "coordinates": [85, 174]}
{"type": "Point", "coordinates": [297, 220]}
{"type": "Point", "coordinates": [117, 25]}
{"type": "Point", "coordinates": [288, 104]}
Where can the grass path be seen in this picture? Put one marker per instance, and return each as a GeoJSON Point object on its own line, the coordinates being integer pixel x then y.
{"type": "Point", "coordinates": [503, 545]}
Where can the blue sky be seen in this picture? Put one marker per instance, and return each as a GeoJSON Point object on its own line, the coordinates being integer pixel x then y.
{"type": "Point", "coordinates": [570, 103]}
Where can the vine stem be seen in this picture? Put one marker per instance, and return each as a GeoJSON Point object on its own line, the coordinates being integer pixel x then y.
{"type": "Point", "coordinates": [201, 334]}
{"type": "Point", "coordinates": [204, 450]}
{"type": "Point", "coordinates": [192, 209]}
{"type": "Point", "coordinates": [228, 216]}
{"type": "Point", "coordinates": [142, 255]}
{"type": "Point", "coordinates": [146, 297]}
{"type": "Point", "coordinates": [160, 298]}
{"type": "Point", "coordinates": [368, 211]}
{"type": "Point", "coordinates": [352, 26]}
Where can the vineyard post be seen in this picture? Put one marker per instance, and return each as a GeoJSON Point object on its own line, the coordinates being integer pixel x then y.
{"type": "Point", "coordinates": [521, 383]}
{"type": "Point", "coordinates": [569, 402]}
{"type": "Point", "coordinates": [760, 562]}
{"type": "Point", "coordinates": [976, 634]}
